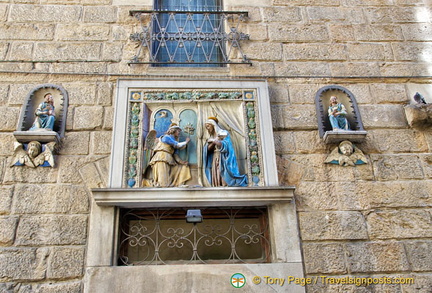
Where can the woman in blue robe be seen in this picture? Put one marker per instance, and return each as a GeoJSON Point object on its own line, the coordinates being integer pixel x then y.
{"type": "Point", "coordinates": [45, 115]}
{"type": "Point", "coordinates": [219, 159]}
{"type": "Point", "coordinates": [337, 115]}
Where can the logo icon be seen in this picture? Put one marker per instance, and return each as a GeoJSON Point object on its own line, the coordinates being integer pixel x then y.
{"type": "Point", "coordinates": [238, 280]}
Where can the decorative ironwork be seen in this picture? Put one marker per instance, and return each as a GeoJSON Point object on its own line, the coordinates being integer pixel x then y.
{"type": "Point", "coordinates": [182, 36]}
{"type": "Point", "coordinates": [155, 237]}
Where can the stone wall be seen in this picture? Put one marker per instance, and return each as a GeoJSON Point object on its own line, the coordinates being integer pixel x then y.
{"type": "Point", "coordinates": [372, 220]}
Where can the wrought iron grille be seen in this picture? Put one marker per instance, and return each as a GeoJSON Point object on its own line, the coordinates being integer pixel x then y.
{"type": "Point", "coordinates": [189, 37]}
{"type": "Point", "coordinates": [155, 237]}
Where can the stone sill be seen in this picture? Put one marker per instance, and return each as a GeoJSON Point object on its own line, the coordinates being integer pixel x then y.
{"type": "Point", "coordinates": [186, 197]}
{"type": "Point", "coordinates": [331, 137]}
{"type": "Point", "coordinates": [191, 278]}
{"type": "Point", "coordinates": [40, 136]}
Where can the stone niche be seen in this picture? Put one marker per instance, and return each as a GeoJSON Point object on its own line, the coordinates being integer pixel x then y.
{"type": "Point", "coordinates": [23, 134]}
{"type": "Point", "coordinates": [356, 134]}
{"type": "Point", "coordinates": [138, 104]}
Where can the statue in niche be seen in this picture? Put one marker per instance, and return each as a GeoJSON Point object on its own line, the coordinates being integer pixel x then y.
{"type": "Point", "coordinates": [45, 115]}
{"type": "Point", "coordinates": [34, 155]}
{"type": "Point", "coordinates": [346, 154]}
{"type": "Point", "coordinates": [337, 115]}
{"type": "Point", "coordinates": [219, 159]}
{"type": "Point", "coordinates": [167, 168]}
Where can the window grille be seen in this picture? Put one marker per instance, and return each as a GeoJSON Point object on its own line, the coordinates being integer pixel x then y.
{"type": "Point", "coordinates": [226, 235]}
{"type": "Point", "coordinates": [189, 33]}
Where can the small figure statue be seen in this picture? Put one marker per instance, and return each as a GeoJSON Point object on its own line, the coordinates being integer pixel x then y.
{"type": "Point", "coordinates": [337, 115]}
{"type": "Point", "coordinates": [346, 154]}
{"type": "Point", "coordinates": [45, 114]}
{"type": "Point", "coordinates": [34, 156]}
{"type": "Point", "coordinates": [219, 159]}
{"type": "Point", "coordinates": [168, 169]}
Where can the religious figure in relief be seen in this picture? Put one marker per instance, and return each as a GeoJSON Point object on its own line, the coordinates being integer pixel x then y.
{"type": "Point", "coordinates": [45, 115]}
{"type": "Point", "coordinates": [219, 158]}
{"type": "Point", "coordinates": [168, 169]}
{"type": "Point", "coordinates": [337, 115]}
{"type": "Point", "coordinates": [346, 154]}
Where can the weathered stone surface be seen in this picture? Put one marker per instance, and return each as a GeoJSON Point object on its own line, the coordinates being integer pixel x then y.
{"type": "Point", "coordinates": [7, 229]}
{"type": "Point", "coordinates": [427, 165]}
{"type": "Point", "coordinates": [300, 117]}
{"type": "Point", "coordinates": [398, 141]}
{"type": "Point", "coordinates": [302, 69]}
{"type": "Point", "coordinates": [412, 51]}
{"type": "Point", "coordinates": [45, 13]}
{"type": "Point", "coordinates": [405, 223]}
{"type": "Point", "coordinates": [342, 32]}
{"type": "Point", "coordinates": [336, 14]}
{"type": "Point", "coordinates": [316, 196]}
{"type": "Point", "coordinates": [416, 32]}
{"type": "Point", "coordinates": [81, 93]}
{"type": "Point", "coordinates": [100, 14]}
{"type": "Point", "coordinates": [4, 89]}
{"type": "Point", "coordinates": [10, 118]}
{"type": "Point", "coordinates": [422, 283]}
{"type": "Point", "coordinates": [391, 194]}
{"type": "Point", "coordinates": [76, 143]}
{"type": "Point", "coordinates": [258, 32]}
{"type": "Point", "coordinates": [66, 51]}
{"type": "Point", "coordinates": [26, 174]}
{"type": "Point", "coordinates": [5, 198]}
{"type": "Point", "coordinates": [326, 258]}
{"type": "Point", "coordinates": [307, 142]}
{"type": "Point", "coordinates": [23, 264]}
{"type": "Point", "coordinates": [91, 177]}
{"type": "Point", "coordinates": [79, 67]}
{"type": "Point", "coordinates": [395, 14]}
{"type": "Point", "coordinates": [108, 118]}
{"type": "Point", "coordinates": [70, 166]}
{"type": "Point", "coordinates": [282, 14]}
{"type": "Point", "coordinates": [307, 2]}
{"type": "Point", "coordinates": [332, 225]}
{"type": "Point", "coordinates": [355, 69]}
{"type": "Point", "coordinates": [366, 52]}
{"type": "Point", "coordinates": [263, 51]}
{"type": "Point", "coordinates": [51, 230]}
{"type": "Point", "coordinates": [49, 199]}
{"type": "Point", "coordinates": [295, 33]}
{"type": "Point", "coordinates": [25, 31]}
{"type": "Point", "coordinates": [278, 93]}
{"type": "Point", "coordinates": [403, 69]}
{"type": "Point", "coordinates": [87, 118]}
{"type": "Point", "coordinates": [65, 263]}
{"type": "Point", "coordinates": [420, 254]}
{"type": "Point", "coordinates": [4, 47]}
{"type": "Point", "coordinates": [112, 52]}
{"type": "Point", "coordinates": [101, 142]}
{"type": "Point", "coordinates": [83, 32]}
{"type": "Point", "coordinates": [300, 52]}
{"type": "Point", "coordinates": [373, 33]}
{"type": "Point", "coordinates": [21, 51]}
{"type": "Point", "coordinates": [376, 257]}
{"type": "Point", "coordinates": [284, 142]}
{"type": "Point", "coordinates": [6, 144]}
{"type": "Point", "coordinates": [303, 94]}
{"type": "Point", "coordinates": [70, 287]}
{"type": "Point", "coordinates": [388, 93]}
{"type": "Point", "coordinates": [383, 116]}
{"type": "Point", "coordinates": [397, 167]}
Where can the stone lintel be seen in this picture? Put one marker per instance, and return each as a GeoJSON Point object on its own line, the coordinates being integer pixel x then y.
{"type": "Point", "coordinates": [43, 136]}
{"type": "Point", "coordinates": [331, 137]}
{"type": "Point", "coordinates": [184, 197]}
